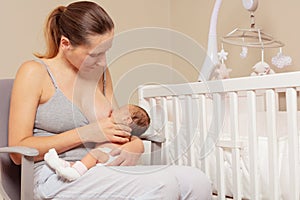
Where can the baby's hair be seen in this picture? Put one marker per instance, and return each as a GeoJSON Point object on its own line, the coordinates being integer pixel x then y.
{"type": "Point", "coordinates": [76, 22]}
{"type": "Point", "coordinates": [140, 120]}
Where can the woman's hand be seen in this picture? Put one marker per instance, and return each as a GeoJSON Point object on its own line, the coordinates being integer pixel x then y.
{"type": "Point", "coordinates": [105, 130]}
{"type": "Point", "coordinates": [128, 154]}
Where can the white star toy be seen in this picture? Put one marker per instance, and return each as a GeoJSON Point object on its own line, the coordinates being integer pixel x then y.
{"type": "Point", "coordinates": [222, 55]}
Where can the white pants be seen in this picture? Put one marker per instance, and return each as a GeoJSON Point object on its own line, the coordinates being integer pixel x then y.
{"type": "Point", "coordinates": [124, 183]}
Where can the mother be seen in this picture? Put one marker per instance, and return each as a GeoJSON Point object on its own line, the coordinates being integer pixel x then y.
{"type": "Point", "coordinates": [78, 37]}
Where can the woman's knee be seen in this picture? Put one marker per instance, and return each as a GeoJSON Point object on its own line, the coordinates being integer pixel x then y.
{"type": "Point", "coordinates": [193, 183]}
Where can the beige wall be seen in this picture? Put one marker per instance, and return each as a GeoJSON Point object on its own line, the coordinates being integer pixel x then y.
{"type": "Point", "coordinates": [22, 35]}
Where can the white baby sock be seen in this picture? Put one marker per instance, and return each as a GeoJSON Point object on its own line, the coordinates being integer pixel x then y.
{"type": "Point", "coordinates": [72, 173]}
{"type": "Point", "coordinates": [54, 161]}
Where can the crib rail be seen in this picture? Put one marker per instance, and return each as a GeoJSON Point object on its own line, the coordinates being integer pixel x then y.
{"type": "Point", "coordinates": [274, 81]}
{"type": "Point", "coordinates": [212, 124]}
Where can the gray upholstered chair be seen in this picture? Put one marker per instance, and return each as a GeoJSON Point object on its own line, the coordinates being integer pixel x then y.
{"type": "Point", "coordinates": [16, 182]}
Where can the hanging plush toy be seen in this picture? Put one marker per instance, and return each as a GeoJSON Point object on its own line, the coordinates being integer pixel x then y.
{"type": "Point", "coordinates": [261, 68]}
{"type": "Point", "coordinates": [221, 71]}
{"type": "Point", "coordinates": [281, 60]}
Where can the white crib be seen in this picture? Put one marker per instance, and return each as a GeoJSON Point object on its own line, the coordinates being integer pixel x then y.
{"type": "Point", "coordinates": [242, 132]}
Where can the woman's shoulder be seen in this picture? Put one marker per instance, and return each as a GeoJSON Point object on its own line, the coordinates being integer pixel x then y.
{"type": "Point", "coordinates": [31, 73]}
{"type": "Point", "coordinates": [31, 69]}
{"type": "Point", "coordinates": [31, 66]}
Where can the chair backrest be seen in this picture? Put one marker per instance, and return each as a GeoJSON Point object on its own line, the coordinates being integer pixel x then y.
{"type": "Point", "coordinates": [10, 174]}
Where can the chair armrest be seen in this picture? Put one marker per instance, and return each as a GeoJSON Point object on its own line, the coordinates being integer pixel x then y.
{"type": "Point", "coordinates": [26, 168]}
{"type": "Point", "coordinates": [26, 151]}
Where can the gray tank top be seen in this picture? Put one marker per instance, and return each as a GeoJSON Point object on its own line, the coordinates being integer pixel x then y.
{"type": "Point", "coordinates": [58, 115]}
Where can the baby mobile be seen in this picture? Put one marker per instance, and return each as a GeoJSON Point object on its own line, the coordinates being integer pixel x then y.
{"type": "Point", "coordinates": [253, 38]}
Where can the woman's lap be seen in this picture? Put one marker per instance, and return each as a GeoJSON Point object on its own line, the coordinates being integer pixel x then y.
{"type": "Point", "coordinates": [134, 182]}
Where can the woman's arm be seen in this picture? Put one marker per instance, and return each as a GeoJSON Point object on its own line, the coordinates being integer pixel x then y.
{"type": "Point", "coordinates": [25, 98]}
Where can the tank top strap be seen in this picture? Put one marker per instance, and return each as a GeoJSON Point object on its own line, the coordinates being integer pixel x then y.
{"type": "Point", "coordinates": [104, 82]}
{"type": "Point", "coordinates": [49, 72]}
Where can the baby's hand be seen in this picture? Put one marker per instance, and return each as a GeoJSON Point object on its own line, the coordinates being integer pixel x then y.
{"type": "Point", "coordinates": [101, 156]}
{"type": "Point", "coordinates": [122, 116]}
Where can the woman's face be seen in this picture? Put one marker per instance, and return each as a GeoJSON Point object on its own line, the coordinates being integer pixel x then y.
{"type": "Point", "coordinates": [88, 58]}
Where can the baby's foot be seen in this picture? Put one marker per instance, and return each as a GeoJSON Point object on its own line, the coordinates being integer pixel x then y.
{"type": "Point", "coordinates": [54, 161]}
{"type": "Point", "coordinates": [68, 173]}
{"type": "Point", "coordinates": [72, 173]}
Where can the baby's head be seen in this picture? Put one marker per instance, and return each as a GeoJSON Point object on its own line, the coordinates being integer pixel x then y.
{"type": "Point", "coordinates": [140, 120]}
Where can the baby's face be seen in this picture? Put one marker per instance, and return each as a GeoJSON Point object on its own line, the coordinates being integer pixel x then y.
{"type": "Point", "coordinates": [122, 115]}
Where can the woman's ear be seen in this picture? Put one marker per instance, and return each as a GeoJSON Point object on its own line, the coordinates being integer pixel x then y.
{"type": "Point", "coordinates": [65, 43]}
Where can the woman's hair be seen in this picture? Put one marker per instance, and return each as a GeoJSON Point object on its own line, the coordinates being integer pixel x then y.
{"type": "Point", "coordinates": [76, 22]}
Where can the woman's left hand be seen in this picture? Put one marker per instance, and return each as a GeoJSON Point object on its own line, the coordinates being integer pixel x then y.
{"type": "Point", "coordinates": [128, 154]}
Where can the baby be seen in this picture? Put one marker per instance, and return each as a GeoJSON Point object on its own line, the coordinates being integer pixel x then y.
{"type": "Point", "coordinates": [99, 155]}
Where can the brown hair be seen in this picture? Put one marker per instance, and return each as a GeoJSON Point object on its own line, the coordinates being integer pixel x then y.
{"type": "Point", "coordinates": [140, 120]}
{"type": "Point", "coordinates": [76, 22]}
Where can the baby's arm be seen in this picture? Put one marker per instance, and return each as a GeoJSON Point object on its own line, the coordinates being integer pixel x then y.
{"type": "Point", "coordinates": [93, 157]}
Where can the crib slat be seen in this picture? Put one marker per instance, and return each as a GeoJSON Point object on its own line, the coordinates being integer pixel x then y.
{"type": "Point", "coordinates": [217, 104]}
{"type": "Point", "coordinates": [220, 173]}
{"type": "Point", "coordinates": [293, 142]}
{"type": "Point", "coordinates": [233, 105]}
{"type": "Point", "coordinates": [155, 147]}
{"type": "Point", "coordinates": [189, 131]}
{"type": "Point", "coordinates": [252, 136]}
{"type": "Point", "coordinates": [272, 145]}
{"type": "Point", "coordinates": [195, 132]}
{"type": "Point", "coordinates": [176, 125]}
{"type": "Point", "coordinates": [203, 132]}
{"type": "Point", "coordinates": [165, 130]}
{"type": "Point", "coordinates": [183, 132]}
